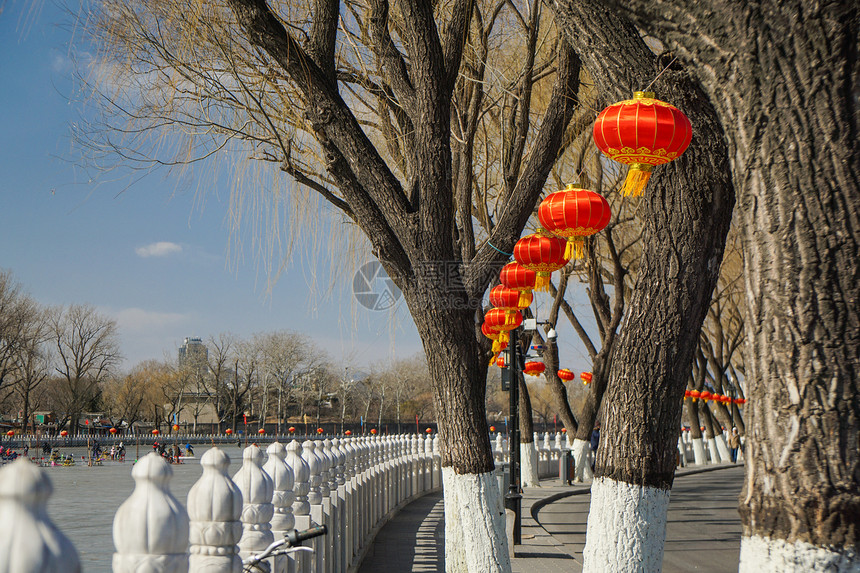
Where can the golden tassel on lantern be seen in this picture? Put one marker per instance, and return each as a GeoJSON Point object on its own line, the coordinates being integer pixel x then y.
{"type": "Point", "coordinates": [575, 248]}
{"type": "Point", "coordinates": [637, 179]}
{"type": "Point", "coordinates": [525, 299]}
{"type": "Point", "coordinates": [542, 282]}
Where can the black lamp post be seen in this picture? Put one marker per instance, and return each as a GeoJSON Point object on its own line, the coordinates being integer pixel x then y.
{"type": "Point", "coordinates": [513, 499]}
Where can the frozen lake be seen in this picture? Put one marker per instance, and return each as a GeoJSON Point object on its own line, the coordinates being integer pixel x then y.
{"type": "Point", "coordinates": [85, 498]}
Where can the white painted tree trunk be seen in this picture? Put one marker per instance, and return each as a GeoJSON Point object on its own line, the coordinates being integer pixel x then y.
{"type": "Point", "coordinates": [626, 527]}
{"type": "Point", "coordinates": [529, 468]}
{"type": "Point", "coordinates": [475, 540]}
{"type": "Point", "coordinates": [723, 449]}
{"type": "Point", "coordinates": [699, 452]}
{"type": "Point", "coordinates": [768, 555]}
{"type": "Point", "coordinates": [583, 466]}
{"type": "Point", "coordinates": [712, 451]}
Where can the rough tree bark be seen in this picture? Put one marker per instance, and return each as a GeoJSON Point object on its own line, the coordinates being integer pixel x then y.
{"type": "Point", "coordinates": [688, 207]}
{"type": "Point", "coordinates": [784, 77]}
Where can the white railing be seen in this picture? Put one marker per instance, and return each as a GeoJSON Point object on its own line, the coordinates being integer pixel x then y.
{"type": "Point", "coordinates": [351, 485]}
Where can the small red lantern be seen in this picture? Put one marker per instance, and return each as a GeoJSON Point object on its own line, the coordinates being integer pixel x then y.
{"type": "Point", "coordinates": [155, 432]}
{"type": "Point", "coordinates": [373, 431]}
{"type": "Point", "coordinates": [642, 132]}
{"type": "Point", "coordinates": [291, 429]}
{"type": "Point", "coordinates": [428, 431]}
{"type": "Point", "coordinates": [705, 395]}
{"type": "Point", "coordinates": [261, 431]}
{"type": "Point", "coordinates": [566, 375]}
{"type": "Point", "coordinates": [64, 433]}
{"type": "Point", "coordinates": [112, 430]}
{"type": "Point", "coordinates": [694, 394]}
{"type": "Point", "coordinates": [686, 394]}
{"type": "Point", "coordinates": [585, 377]}
{"type": "Point", "coordinates": [500, 321]}
{"type": "Point", "coordinates": [175, 427]}
{"type": "Point", "coordinates": [574, 214]}
{"type": "Point", "coordinates": [500, 361]}
{"type": "Point", "coordinates": [534, 368]}
{"type": "Point", "coordinates": [542, 253]}
{"type": "Point", "coordinates": [498, 345]}
{"type": "Point", "coordinates": [509, 299]}
{"type": "Point", "coordinates": [492, 428]}
{"type": "Point", "coordinates": [348, 432]}
{"type": "Point", "coordinates": [10, 433]}
{"type": "Point", "coordinates": [564, 430]}
{"type": "Point", "coordinates": [319, 430]}
{"type": "Point", "coordinates": [228, 431]}
{"type": "Point", "coordinates": [517, 277]}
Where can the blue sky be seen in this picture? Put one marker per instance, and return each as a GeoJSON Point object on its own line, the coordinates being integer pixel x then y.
{"type": "Point", "coordinates": [150, 255]}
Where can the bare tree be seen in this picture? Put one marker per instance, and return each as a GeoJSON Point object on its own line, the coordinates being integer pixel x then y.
{"type": "Point", "coordinates": [86, 344]}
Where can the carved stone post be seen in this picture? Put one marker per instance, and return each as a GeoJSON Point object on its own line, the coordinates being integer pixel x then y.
{"type": "Point", "coordinates": [301, 487]}
{"type": "Point", "coordinates": [29, 541]}
{"type": "Point", "coordinates": [150, 528]}
{"type": "Point", "coordinates": [215, 510]}
{"type": "Point", "coordinates": [257, 509]}
{"type": "Point", "coordinates": [282, 499]}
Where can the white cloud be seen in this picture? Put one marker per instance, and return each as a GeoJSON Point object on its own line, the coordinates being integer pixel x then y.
{"type": "Point", "coordinates": [138, 319]}
{"type": "Point", "coordinates": [159, 249]}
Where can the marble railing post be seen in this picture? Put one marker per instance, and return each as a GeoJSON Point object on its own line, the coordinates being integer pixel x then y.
{"type": "Point", "coordinates": [339, 495]}
{"type": "Point", "coordinates": [301, 506]}
{"type": "Point", "coordinates": [315, 498]}
{"type": "Point", "coordinates": [332, 507]}
{"type": "Point", "coordinates": [283, 481]}
{"type": "Point", "coordinates": [215, 508]}
{"type": "Point", "coordinates": [29, 541]}
{"type": "Point", "coordinates": [427, 460]}
{"type": "Point", "coordinates": [150, 529]}
{"type": "Point", "coordinates": [365, 499]}
{"type": "Point", "coordinates": [257, 509]}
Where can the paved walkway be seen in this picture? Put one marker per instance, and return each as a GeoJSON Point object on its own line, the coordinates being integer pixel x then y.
{"type": "Point", "coordinates": [703, 531]}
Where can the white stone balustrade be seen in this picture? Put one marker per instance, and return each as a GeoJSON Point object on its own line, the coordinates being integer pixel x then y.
{"type": "Point", "coordinates": [351, 485]}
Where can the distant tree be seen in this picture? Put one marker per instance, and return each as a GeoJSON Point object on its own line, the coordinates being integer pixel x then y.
{"type": "Point", "coordinates": [86, 344]}
{"type": "Point", "coordinates": [19, 322]}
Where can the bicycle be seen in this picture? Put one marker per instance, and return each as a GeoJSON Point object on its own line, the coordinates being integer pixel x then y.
{"type": "Point", "coordinates": [289, 544]}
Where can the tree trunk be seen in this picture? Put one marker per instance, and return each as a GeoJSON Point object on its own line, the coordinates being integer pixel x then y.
{"type": "Point", "coordinates": [475, 538]}
{"type": "Point", "coordinates": [784, 77]}
{"type": "Point", "coordinates": [688, 207]}
{"type": "Point", "coordinates": [528, 452]}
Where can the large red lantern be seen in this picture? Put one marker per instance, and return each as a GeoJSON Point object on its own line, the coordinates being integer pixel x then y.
{"type": "Point", "coordinates": [585, 377]}
{"type": "Point", "coordinates": [574, 214]}
{"type": "Point", "coordinates": [534, 368]}
{"type": "Point", "coordinates": [642, 132]}
{"type": "Point", "coordinates": [498, 345]}
{"type": "Point", "coordinates": [566, 375]}
{"type": "Point", "coordinates": [517, 277]}
{"type": "Point", "coordinates": [543, 254]}
{"type": "Point", "coordinates": [498, 320]}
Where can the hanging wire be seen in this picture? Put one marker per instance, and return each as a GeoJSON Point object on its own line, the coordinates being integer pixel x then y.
{"type": "Point", "coordinates": [660, 74]}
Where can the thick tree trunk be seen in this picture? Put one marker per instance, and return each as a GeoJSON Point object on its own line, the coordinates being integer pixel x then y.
{"type": "Point", "coordinates": [528, 451]}
{"type": "Point", "coordinates": [784, 76]}
{"type": "Point", "coordinates": [475, 538]}
{"type": "Point", "coordinates": [688, 206]}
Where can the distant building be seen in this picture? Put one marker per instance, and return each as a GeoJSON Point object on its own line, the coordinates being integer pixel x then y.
{"type": "Point", "coordinates": [193, 352]}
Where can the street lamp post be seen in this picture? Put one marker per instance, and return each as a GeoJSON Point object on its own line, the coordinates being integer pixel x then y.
{"type": "Point", "coordinates": [513, 499]}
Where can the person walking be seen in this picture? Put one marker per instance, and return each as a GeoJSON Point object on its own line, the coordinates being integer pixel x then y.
{"type": "Point", "coordinates": [734, 444]}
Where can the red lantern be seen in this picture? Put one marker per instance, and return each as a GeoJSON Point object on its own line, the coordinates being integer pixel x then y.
{"type": "Point", "coordinates": [291, 429]}
{"type": "Point", "coordinates": [564, 430]}
{"type": "Point", "coordinates": [500, 361]}
{"type": "Point", "coordinates": [542, 253]}
{"type": "Point", "coordinates": [585, 377]}
{"type": "Point", "coordinates": [574, 214]}
{"type": "Point", "coordinates": [705, 395]}
{"type": "Point", "coordinates": [175, 427]}
{"type": "Point", "coordinates": [519, 278]}
{"type": "Point", "coordinates": [155, 432]}
{"type": "Point", "coordinates": [373, 431]}
{"type": "Point", "coordinates": [566, 375]}
{"type": "Point", "coordinates": [686, 394]}
{"type": "Point", "coordinates": [319, 430]}
{"type": "Point", "coordinates": [694, 394]}
{"type": "Point", "coordinates": [10, 433]}
{"type": "Point", "coordinates": [498, 345]}
{"type": "Point", "coordinates": [112, 430]}
{"type": "Point", "coordinates": [534, 368]}
{"type": "Point", "coordinates": [506, 298]}
{"type": "Point", "coordinates": [428, 431]}
{"type": "Point", "coordinates": [228, 431]}
{"type": "Point", "coordinates": [261, 431]}
{"type": "Point", "coordinates": [348, 432]}
{"type": "Point", "coordinates": [498, 321]}
{"type": "Point", "coordinates": [64, 433]}
{"type": "Point", "coordinates": [641, 132]}
{"type": "Point", "coordinates": [492, 428]}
